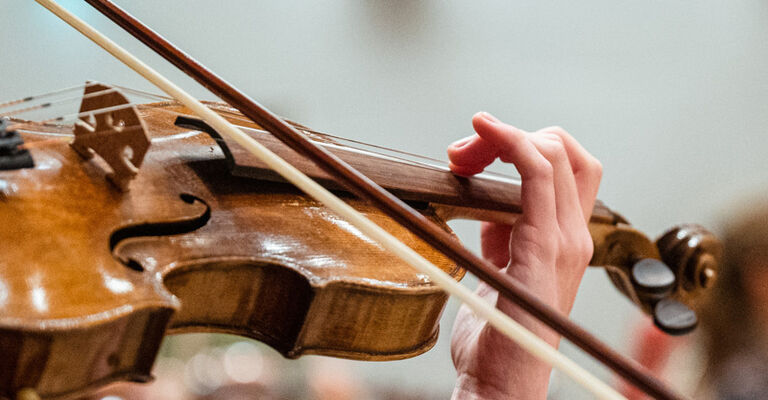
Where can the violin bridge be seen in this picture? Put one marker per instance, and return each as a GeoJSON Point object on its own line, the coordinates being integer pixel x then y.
{"type": "Point", "coordinates": [112, 128]}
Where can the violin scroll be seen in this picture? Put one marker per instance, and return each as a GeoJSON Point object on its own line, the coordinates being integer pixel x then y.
{"type": "Point", "coordinates": [668, 278]}
{"type": "Point", "coordinates": [694, 254]}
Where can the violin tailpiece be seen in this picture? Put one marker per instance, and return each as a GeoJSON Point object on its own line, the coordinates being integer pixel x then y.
{"type": "Point", "coordinates": [112, 128]}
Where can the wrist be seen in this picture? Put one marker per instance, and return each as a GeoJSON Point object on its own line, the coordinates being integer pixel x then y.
{"type": "Point", "coordinates": [470, 388]}
{"type": "Point", "coordinates": [505, 370]}
{"type": "Point", "coordinates": [533, 387]}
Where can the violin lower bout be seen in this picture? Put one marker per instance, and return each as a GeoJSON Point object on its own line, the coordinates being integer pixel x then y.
{"type": "Point", "coordinates": [279, 307]}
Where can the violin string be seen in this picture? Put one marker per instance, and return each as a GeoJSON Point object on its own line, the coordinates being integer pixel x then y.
{"type": "Point", "coordinates": [43, 95]}
{"type": "Point", "coordinates": [442, 166]}
{"type": "Point", "coordinates": [402, 157]}
{"type": "Point", "coordinates": [77, 117]}
{"type": "Point", "coordinates": [49, 104]}
{"type": "Point", "coordinates": [235, 115]}
{"type": "Point", "coordinates": [23, 126]}
{"type": "Point", "coordinates": [57, 121]}
{"type": "Point", "coordinates": [416, 160]}
{"type": "Point", "coordinates": [427, 163]}
{"type": "Point", "coordinates": [144, 93]}
{"type": "Point", "coordinates": [89, 113]}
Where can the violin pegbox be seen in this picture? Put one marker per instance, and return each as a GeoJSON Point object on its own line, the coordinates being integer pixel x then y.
{"type": "Point", "coordinates": [668, 279]}
{"type": "Point", "coordinates": [110, 126]}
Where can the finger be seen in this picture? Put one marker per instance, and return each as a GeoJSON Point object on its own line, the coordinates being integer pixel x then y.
{"type": "Point", "coordinates": [587, 170]}
{"type": "Point", "coordinates": [513, 146]}
{"type": "Point", "coordinates": [469, 156]}
{"type": "Point", "coordinates": [570, 215]}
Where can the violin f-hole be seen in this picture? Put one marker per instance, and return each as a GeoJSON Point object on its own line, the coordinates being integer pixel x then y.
{"type": "Point", "coordinates": [165, 228]}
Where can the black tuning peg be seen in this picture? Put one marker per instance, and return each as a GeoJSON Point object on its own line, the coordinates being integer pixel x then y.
{"type": "Point", "coordinates": [654, 281]}
{"type": "Point", "coordinates": [653, 278]}
{"type": "Point", "coordinates": [674, 317]}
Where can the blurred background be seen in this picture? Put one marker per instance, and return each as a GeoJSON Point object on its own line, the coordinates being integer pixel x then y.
{"type": "Point", "coordinates": [672, 97]}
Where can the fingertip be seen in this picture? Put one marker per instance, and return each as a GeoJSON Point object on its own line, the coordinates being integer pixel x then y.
{"type": "Point", "coordinates": [484, 115]}
{"type": "Point", "coordinates": [465, 170]}
{"type": "Point", "coordinates": [483, 121]}
{"type": "Point", "coordinates": [492, 129]}
{"type": "Point", "coordinates": [470, 155]}
{"type": "Point", "coordinates": [457, 145]}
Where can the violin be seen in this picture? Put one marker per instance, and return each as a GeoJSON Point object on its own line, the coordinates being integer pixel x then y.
{"type": "Point", "coordinates": [99, 264]}
{"type": "Point", "coordinates": [156, 231]}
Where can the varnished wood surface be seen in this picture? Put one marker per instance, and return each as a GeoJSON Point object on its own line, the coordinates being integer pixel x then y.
{"type": "Point", "coordinates": [88, 270]}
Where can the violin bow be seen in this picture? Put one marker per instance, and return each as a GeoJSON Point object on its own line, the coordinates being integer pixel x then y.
{"type": "Point", "coordinates": [365, 188]}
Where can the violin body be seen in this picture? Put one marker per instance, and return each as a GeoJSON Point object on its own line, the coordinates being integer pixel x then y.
{"type": "Point", "coordinates": [93, 277]}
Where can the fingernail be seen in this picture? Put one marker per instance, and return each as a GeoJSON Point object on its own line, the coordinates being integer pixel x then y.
{"type": "Point", "coordinates": [488, 117]}
{"type": "Point", "coordinates": [460, 143]}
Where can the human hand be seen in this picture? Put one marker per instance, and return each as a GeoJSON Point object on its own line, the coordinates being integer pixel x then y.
{"type": "Point", "coordinates": [547, 249]}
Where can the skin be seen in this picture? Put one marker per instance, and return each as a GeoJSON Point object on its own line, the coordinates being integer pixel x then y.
{"type": "Point", "coordinates": [547, 249]}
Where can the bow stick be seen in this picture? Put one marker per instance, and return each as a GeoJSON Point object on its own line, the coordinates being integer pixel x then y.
{"type": "Point", "coordinates": [363, 187]}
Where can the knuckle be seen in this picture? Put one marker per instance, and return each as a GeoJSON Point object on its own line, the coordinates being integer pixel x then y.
{"type": "Point", "coordinates": [513, 137]}
{"type": "Point", "coordinates": [557, 139]}
{"type": "Point", "coordinates": [541, 168]}
{"type": "Point", "coordinates": [586, 248]}
{"type": "Point", "coordinates": [596, 168]}
{"type": "Point", "coordinates": [557, 130]}
{"type": "Point", "coordinates": [512, 132]}
{"type": "Point", "coordinates": [579, 245]}
{"type": "Point", "coordinates": [553, 148]}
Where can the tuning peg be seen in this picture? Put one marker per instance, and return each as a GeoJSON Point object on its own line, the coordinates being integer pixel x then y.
{"type": "Point", "coordinates": [674, 317]}
{"type": "Point", "coordinates": [653, 278]}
